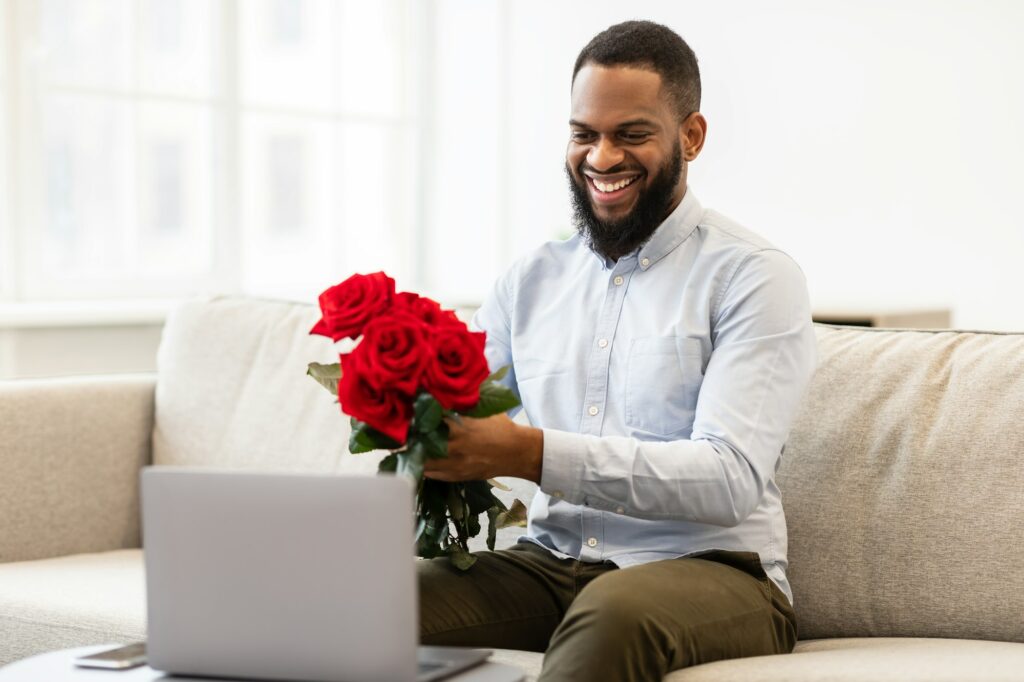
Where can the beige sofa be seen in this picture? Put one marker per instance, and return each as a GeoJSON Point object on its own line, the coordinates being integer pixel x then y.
{"type": "Point", "coordinates": [903, 482]}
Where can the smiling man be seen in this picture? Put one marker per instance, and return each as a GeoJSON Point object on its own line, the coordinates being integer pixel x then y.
{"type": "Point", "coordinates": [660, 355]}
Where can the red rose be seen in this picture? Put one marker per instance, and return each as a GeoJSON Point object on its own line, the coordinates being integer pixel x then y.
{"type": "Point", "coordinates": [348, 306]}
{"type": "Point", "coordinates": [457, 368]}
{"type": "Point", "coordinates": [426, 309]}
{"type": "Point", "coordinates": [363, 395]}
{"type": "Point", "coordinates": [396, 346]}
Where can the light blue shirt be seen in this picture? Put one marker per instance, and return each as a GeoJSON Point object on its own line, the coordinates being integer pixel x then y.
{"type": "Point", "coordinates": [666, 384]}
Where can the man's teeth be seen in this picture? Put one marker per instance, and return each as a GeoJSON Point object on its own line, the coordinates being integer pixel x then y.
{"type": "Point", "coordinates": [611, 187]}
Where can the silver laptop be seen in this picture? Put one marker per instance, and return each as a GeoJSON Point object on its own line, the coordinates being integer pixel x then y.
{"type": "Point", "coordinates": [285, 576]}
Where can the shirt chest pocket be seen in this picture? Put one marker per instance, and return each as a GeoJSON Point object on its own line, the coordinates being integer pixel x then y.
{"type": "Point", "coordinates": [663, 379]}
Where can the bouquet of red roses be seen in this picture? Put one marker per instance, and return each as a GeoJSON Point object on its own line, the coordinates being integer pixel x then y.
{"type": "Point", "coordinates": [407, 365]}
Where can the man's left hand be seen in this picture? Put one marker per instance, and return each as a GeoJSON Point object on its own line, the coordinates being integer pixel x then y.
{"type": "Point", "coordinates": [479, 449]}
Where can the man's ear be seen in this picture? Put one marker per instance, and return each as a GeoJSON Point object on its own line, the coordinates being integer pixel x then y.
{"type": "Point", "coordinates": [692, 132]}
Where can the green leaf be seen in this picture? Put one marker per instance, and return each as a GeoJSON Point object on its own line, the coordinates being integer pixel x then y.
{"type": "Point", "coordinates": [436, 442]}
{"type": "Point", "coordinates": [327, 376]}
{"type": "Point", "coordinates": [473, 525]}
{"type": "Point", "coordinates": [410, 461]}
{"type": "Point", "coordinates": [360, 441]}
{"type": "Point", "coordinates": [365, 438]}
{"type": "Point", "coordinates": [428, 547]}
{"type": "Point", "coordinates": [427, 413]}
{"type": "Point", "coordinates": [492, 526]}
{"type": "Point", "coordinates": [494, 399]}
{"type": "Point", "coordinates": [460, 558]}
{"type": "Point", "coordinates": [456, 505]}
{"type": "Point", "coordinates": [499, 375]}
{"type": "Point", "coordinates": [388, 465]}
{"type": "Point", "coordinates": [479, 496]}
{"type": "Point", "coordinates": [516, 516]}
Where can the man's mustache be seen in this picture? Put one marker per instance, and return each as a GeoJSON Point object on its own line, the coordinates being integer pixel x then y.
{"type": "Point", "coordinates": [621, 168]}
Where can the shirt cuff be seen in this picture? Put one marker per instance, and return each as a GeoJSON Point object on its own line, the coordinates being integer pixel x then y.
{"type": "Point", "coordinates": [561, 473]}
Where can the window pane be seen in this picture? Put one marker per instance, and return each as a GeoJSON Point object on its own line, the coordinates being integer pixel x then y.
{"type": "Point", "coordinates": [288, 52]}
{"type": "Point", "coordinates": [86, 181]}
{"type": "Point", "coordinates": [374, 188]}
{"type": "Point", "coordinates": [321, 201]}
{"type": "Point", "coordinates": [125, 197]}
{"type": "Point", "coordinates": [323, 55]}
{"type": "Point", "coordinates": [370, 43]}
{"type": "Point", "coordinates": [176, 44]}
{"type": "Point", "coordinates": [86, 43]}
{"type": "Point", "coordinates": [289, 181]}
{"type": "Point", "coordinates": [175, 191]}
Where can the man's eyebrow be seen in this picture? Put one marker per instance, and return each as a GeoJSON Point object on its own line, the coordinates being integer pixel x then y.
{"type": "Point", "coordinates": [638, 122]}
{"type": "Point", "coordinates": [625, 124]}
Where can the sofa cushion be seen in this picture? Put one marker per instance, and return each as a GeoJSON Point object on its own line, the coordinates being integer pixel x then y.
{"type": "Point", "coordinates": [70, 453]}
{"type": "Point", "coordinates": [878, 659]}
{"type": "Point", "coordinates": [902, 485]}
{"type": "Point", "coordinates": [71, 601]}
{"type": "Point", "coordinates": [232, 390]}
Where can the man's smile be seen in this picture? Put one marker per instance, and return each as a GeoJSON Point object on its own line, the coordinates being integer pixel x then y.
{"type": "Point", "coordinates": [612, 188]}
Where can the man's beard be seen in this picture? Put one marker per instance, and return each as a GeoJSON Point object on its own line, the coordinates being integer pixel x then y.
{"type": "Point", "coordinates": [616, 238]}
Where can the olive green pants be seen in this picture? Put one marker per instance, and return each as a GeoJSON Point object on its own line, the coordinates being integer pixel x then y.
{"type": "Point", "coordinates": [599, 622]}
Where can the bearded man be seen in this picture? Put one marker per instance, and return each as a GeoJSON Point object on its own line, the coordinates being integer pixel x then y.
{"type": "Point", "coordinates": [660, 355]}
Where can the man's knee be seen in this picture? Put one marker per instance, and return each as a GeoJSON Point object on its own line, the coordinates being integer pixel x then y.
{"type": "Point", "coordinates": [614, 607]}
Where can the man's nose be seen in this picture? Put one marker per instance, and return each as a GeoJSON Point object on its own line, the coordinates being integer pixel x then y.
{"type": "Point", "coordinates": [604, 155]}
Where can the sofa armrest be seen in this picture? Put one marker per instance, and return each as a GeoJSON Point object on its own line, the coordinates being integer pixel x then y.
{"type": "Point", "coordinates": [70, 454]}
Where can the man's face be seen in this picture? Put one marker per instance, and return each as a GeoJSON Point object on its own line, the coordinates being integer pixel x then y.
{"type": "Point", "coordinates": [625, 157]}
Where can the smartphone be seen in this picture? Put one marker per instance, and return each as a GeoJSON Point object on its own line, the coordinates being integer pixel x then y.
{"type": "Point", "coordinates": [121, 658]}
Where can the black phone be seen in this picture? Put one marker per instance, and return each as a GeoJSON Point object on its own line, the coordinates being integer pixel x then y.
{"type": "Point", "coordinates": [121, 658]}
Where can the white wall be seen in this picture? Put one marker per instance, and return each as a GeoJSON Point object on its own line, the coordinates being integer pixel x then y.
{"type": "Point", "coordinates": [878, 142]}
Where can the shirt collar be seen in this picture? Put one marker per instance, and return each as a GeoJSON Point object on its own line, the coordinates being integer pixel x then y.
{"type": "Point", "coordinates": [672, 232]}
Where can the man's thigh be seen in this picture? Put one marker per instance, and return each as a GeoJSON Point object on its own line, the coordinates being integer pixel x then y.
{"type": "Point", "coordinates": [510, 599]}
{"type": "Point", "coordinates": [643, 621]}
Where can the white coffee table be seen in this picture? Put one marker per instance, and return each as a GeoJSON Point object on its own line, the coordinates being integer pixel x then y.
{"type": "Point", "coordinates": [58, 666]}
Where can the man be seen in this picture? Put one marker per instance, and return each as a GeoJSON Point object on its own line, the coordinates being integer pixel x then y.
{"type": "Point", "coordinates": [660, 355]}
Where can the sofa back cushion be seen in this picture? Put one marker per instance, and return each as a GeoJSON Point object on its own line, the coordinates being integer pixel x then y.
{"type": "Point", "coordinates": [232, 390]}
{"type": "Point", "coordinates": [903, 483]}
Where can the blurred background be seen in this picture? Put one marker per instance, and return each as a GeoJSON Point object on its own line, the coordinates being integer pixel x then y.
{"type": "Point", "coordinates": [155, 150]}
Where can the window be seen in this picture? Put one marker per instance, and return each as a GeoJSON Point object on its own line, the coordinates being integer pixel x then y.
{"type": "Point", "coordinates": [6, 153]}
{"type": "Point", "coordinates": [169, 147]}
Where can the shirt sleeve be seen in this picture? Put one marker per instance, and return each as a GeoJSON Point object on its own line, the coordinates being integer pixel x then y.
{"type": "Point", "coordinates": [494, 318]}
{"type": "Point", "coordinates": [763, 356]}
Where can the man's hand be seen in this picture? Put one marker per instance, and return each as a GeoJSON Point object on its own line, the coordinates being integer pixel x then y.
{"type": "Point", "coordinates": [479, 449]}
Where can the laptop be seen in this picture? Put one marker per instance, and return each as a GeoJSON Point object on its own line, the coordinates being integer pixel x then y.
{"type": "Point", "coordinates": [285, 576]}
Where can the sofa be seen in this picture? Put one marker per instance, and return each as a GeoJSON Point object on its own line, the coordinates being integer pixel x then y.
{"type": "Point", "coordinates": [903, 483]}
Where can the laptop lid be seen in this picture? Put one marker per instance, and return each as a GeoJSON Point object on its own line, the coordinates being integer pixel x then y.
{"type": "Point", "coordinates": [280, 576]}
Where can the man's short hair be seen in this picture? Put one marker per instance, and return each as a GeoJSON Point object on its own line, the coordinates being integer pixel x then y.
{"type": "Point", "coordinates": [651, 46]}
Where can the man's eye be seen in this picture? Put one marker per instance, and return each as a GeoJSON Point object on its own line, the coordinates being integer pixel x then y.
{"type": "Point", "coordinates": [635, 137]}
{"type": "Point", "coordinates": [582, 136]}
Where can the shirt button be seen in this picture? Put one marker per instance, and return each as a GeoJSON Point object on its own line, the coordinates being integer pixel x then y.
{"type": "Point", "coordinates": [618, 280]}
{"type": "Point", "coordinates": [603, 343]}
{"type": "Point", "coordinates": [592, 411]}
{"type": "Point", "coordinates": [591, 542]}
{"type": "Point", "coordinates": [645, 262]}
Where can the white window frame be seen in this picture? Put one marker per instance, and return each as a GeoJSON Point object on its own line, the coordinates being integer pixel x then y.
{"type": "Point", "coordinates": [20, 200]}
